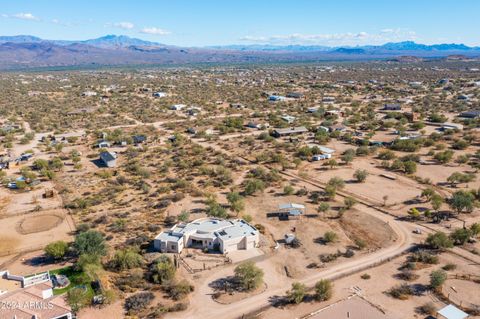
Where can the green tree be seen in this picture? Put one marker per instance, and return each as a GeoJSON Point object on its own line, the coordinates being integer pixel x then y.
{"type": "Point", "coordinates": [410, 167]}
{"type": "Point", "coordinates": [248, 275]}
{"type": "Point", "coordinates": [288, 190]}
{"type": "Point", "coordinates": [323, 290]}
{"type": "Point", "coordinates": [360, 175]}
{"type": "Point", "coordinates": [57, 249]}
{"type": "Point", "coordinates": [330, 237]}
{"type": "Point", "coordinates": [439, 240]}
{"type": "Point", "coordinates": [336, 182]}
{"type": "Point", "coordinates": [297, 293]}
{"type": "Point", "coordinates": [437, 278]}
{"type": "Point", "coordinates": [436, 202]}
{"type": "Point", "coordinates": [90, 242]}
{"type": "Point", "coordinates": [348, 156]}
{"type": "Point", "coordinates": [254, 185]}
{"type": "Point", "coordinates": [349, 202]}
{"type": "Point", "coordinates": [475, 229]}
{"type": "Point", "coordinates": [460, 236]}
{"type": "Point", "coordinates": [236, 201]}
{"type": "Point", "coordinates": [323, 207]}
{"type": "Point", "coordinates": [462, 201]}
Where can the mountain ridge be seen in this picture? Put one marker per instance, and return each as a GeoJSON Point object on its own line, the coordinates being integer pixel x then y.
{"type": "Point", "coordinates": [26, 51]}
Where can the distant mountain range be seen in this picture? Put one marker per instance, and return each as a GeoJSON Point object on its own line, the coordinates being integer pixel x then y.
{"type": "Point", "coordinates": [26, 51]}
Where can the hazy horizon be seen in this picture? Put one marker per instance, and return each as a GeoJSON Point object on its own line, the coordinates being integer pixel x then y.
{"type": "Point", "coordinates": [217, 23]}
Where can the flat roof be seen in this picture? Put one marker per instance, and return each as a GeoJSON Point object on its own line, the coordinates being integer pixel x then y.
{"type": "Point", "coordinates": [291, 206]}
{"type": "Point", "coordinates": [209, 228]}
{"type": "Point", "coordinates": [289, 130]}
{"type": "Point", "coordinates": [452, 312]}
{"type": "Point", "coordinates": [352, 308]}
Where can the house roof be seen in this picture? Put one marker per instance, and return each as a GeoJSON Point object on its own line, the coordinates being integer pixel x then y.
{"type": "Point", "coordinates": [108, 156]}
{"type": "Point", "coordinates": [209, 228]}
{"type": "Point", "coordinates": [352, 308]}
{"type": "Point", "coordinates": [291, 130]}
{"type": "Point", "coordinates": [52, 307]}
{"type": "Point", "coordinates": [291, 206]}
{"type": "Point", "coordinates": [452, 312]}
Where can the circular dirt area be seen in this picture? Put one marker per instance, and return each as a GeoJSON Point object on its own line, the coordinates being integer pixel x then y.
{"type": "Point", "coordinates": [39, 223]}
{"type": "Point", "coordinates": [463, 290]}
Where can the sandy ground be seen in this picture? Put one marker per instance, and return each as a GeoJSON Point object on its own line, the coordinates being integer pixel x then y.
{"type": "Point", "coordinates": [382, 279]}
{"type": "Point", "coordinates": [11, 241]}
{"type": "Point", "coordinates": [32, 262]}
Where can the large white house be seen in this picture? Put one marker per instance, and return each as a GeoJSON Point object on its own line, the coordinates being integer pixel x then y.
{"type": "Point", "coordinates": [214, 234]}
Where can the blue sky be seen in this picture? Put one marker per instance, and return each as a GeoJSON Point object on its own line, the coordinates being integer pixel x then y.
{"type": "Point", "coordinates": [221, 22]}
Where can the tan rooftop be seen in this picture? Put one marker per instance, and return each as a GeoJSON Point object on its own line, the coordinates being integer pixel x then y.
{"type": "Point", "coordinates": [352, 308]}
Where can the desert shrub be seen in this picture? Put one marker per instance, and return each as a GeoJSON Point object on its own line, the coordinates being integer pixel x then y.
{"type": "Point", "coordinates": [330, 237]}
{"type": "Point", "coordinates": [138, 301]}
{"type": "Point", "coordinates": [427, 309]}
{"type": "Point", "coordinates": [179, 290]}
{"type": "Point", "coordinates": [401, 292]}
{"type": "Point", "coordinates": [127, 258]}
{"type": "Point", "coordinates": [131, 281]}
{"type": "Point", "coordinates": [449, 267]}
{"type": "Point", "coordinates": [323, 290]}
{"type": "Point", "coordinates": [162, 270]}
{"type": "Point", "coordinates": [437, 278]}
{"type": "Point", "coordinates": [424, 257]}
{"type": "Point", "coordinates": [297, 293]}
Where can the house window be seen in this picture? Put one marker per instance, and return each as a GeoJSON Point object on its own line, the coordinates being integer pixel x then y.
{"type": "Point", "coordinates": [173, 247]}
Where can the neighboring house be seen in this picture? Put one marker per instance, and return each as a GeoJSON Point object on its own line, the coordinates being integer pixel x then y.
{"type": "Point", "coordinates": [451, 126]}
{"type": "Point", "coordinates": [139, 139]}
{"type": "Point", "coordinates": [320, 157]}
{"type": "Point", "coordinates": [89, 93]}
{"type": "Point", "coordinates": [463, 97]}
{"type": "Point", "coordinates": [177, 107]}
{"type": "Point", "coordinates": [103, 144]}
{"type": "Point", "coordinates": [280, 132]}
{"type": "Point", "coordinates": [337, 127]}
{"type": "Point", "coordinates": [192, 130]}
{"type": "Point", "coordinates": [313, 109]}
{"type": "Point", "coordinates": [109, 158]}
{"type": "Point", "coordinates": [328, 99]}
{"type": "Point", "coordinates": [159, 94]}
{"type": "Point", "coordinates": [258, 126]}
{"type": "Point", "coordinates": [392, 107]}
{"type": "Point", "coordinates": [31, 297]}
{"type": "Point", "coordinates": [289, 119]}
{"type": "Point", "coordinates": [290, 211]}
{"type": "Point", "coordinates": [276, 98]}
{"type": "Point", "coordinates": [208, 233]}
{"type": "Point", "coordinates": [295, 95]}
{"type": "Point", "coordinates": [474, 114]}
{"type": "Point", "coordinates": [333, 113]}
{"type": "Point", "coordinates": [237, 106]}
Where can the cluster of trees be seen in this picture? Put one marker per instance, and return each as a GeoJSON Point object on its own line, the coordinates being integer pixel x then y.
{"type": "Point", "coordinates": [323, 290]}
{"type": "Point", "coordinates": [459, 236]}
